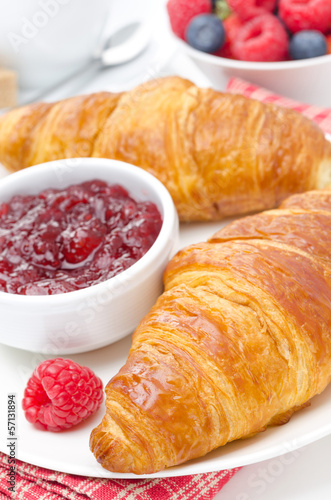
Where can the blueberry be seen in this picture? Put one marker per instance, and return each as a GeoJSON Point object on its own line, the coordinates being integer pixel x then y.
{"type": "Point", "coordinates": [205, 32]}
{"type": "Point", "coordinates": [306, 44]}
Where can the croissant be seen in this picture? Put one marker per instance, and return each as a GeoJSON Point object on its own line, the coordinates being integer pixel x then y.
{"type": "Point", "coordinates": [218, 154]}
{"type": "Point", "coordinates": [239, 340]}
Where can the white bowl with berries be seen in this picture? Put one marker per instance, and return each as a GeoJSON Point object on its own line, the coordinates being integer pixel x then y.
{"type": "Point", "coordinates": [83, 246]}
{"type": "Point", "coordinates": [282, 45]}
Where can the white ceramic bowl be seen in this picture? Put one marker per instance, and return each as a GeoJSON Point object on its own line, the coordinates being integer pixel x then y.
{"type": "Point", "coordinates": [93, 317]}
{"type": "Point", "coordinates": [305, 80]}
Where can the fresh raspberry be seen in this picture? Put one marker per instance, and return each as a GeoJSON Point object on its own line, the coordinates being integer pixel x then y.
{"type": "Point", "coordinates": [329, 25]}
{"type": "Point", "coordinates": [60, 394]}
{"type": "Point", "coordinates": [247, 9]}
{"type": "Point", "coordinates": [301, 15]}
{"type": "Point", "coordinates": [263, 38]}
{"type": "Point", "coordinates": [182, 11]}
{"type": "Point", "coordinates": [231, 25]}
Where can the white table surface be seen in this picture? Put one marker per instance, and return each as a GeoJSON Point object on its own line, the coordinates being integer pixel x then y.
{"type": "Point", "coordinates": [301, 475]}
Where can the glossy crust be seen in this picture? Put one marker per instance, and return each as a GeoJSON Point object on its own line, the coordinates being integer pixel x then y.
{"type": "Point", "coordinates": [239, 340]}
{"type": "Point", "coordinates": [218, 154]}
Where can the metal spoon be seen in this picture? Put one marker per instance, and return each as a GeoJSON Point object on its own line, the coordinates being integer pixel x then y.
{"type": "Point", "coordinates": [125, 44]}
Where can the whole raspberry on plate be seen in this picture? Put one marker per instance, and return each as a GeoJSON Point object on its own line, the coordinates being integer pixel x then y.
{"type": "Point", "coordinates": [60, 394]}
{"type": "Point", "coordinates": [182, 11]}
{"type": "Point", "coordinates": [301, 15]}
{"type": "Point", "coordinates": [263, 39]}
{"type": "Point", "coordinates": [247, 9]}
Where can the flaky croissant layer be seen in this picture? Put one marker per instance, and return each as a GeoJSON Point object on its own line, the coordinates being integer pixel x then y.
{"type": "Point", "coordinates": [218, 154]}
{"type": "Point", "coordinates": [239, 340]}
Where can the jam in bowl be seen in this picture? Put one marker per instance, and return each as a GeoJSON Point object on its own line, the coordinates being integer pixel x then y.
{"type": "Point", "coordinates": [62, 240]}
{"type": "Point", "coordinates": [83, 246]}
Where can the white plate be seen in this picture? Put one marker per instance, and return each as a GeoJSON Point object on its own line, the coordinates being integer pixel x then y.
{"type": "Point", "coordinates": [69, 451]}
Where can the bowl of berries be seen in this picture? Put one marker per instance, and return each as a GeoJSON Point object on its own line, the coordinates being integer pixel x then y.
{"type": "Point", "coordinates": [83, 246]}
{"type": "Point", "coordinates": [282, 45]}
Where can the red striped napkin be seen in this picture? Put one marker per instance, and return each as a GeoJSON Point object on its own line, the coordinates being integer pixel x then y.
{"type": "Point", "coordinates": [36, 483]}
{"type": "Point", "coordinates": [322, 116]}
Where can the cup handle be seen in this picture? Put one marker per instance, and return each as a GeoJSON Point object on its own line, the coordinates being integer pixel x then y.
{"type": "Point", "coordinates": [131, 47]}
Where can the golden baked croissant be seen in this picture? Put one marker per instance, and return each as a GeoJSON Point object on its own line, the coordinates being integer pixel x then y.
{"type": "Point", "coordinates": [239, 340]}
{"type": "Point", "coordinates": [218, 154]}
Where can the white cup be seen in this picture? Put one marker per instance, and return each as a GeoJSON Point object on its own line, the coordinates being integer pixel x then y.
{"type": "Point", "coordinates": [46, 41]}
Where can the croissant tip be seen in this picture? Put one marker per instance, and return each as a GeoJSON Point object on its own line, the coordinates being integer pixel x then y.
{"type": "Point", "coordinates": [111, 453]}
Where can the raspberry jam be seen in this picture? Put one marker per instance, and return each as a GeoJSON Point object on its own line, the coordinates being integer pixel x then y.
{"type": "Point", "coordinates": [63, 240]}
